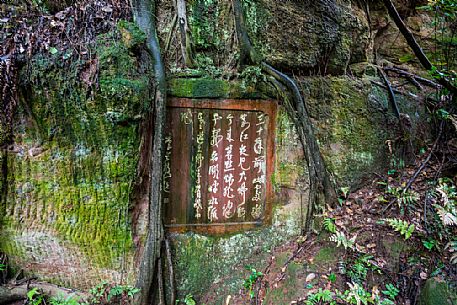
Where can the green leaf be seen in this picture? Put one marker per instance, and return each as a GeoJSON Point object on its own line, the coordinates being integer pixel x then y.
{"type": "Point", "coordinates": [53, 50]}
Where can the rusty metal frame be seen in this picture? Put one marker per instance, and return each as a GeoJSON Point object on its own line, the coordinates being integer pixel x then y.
{"type": "Point", "coordinates": [268, 107]}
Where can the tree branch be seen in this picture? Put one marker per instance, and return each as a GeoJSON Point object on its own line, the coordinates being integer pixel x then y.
{"type": "Point", "coordinates": [423, 59]}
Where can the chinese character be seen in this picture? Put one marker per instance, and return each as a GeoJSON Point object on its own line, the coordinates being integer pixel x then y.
{"type": "Point", "coordinates": [227, 210]}
{"type": "Point", "coordinates": [259, 162]}
{"type": "Point", "coordinates": [245, 125]}
{"type": "Point", "coordinates": [216, 117]}
{"type": "Point", "coordinates": [186, 117]}
{"type": "Point", "coordinates": [258, 148]}
{"type": "Point", "coordinates": [216, 138]}
{"type": "Point", "coordinates": [228, 179]}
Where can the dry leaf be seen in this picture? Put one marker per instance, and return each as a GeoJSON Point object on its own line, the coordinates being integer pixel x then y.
{"type": "Point", "coordinates": [310, 277]}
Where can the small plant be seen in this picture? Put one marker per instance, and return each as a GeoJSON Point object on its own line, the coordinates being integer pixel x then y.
{"type": "Point", "coordinates": [359, 270]}
{"type": "Point", "coordinates": [402, 226]}
{"type": "Point", "coordinates": [329, 225]}
{"type": "Point", "coordinates": [391, 291]}
{"type": "Point", "coordinates": [332, 277]}
{"type": "Point", "coordinates": [429, 244]}
{"type": "Point", "coordinates": [320, 297]}
{"type": "Point", "coordinates": [62, 300]}
{"type": "Point", "coordinates": [2, 267]}
{"type": "Point", "coordinates": [35, 297]}
{"type": "Point", "coordinates": [357, 295]}
{"type": "Point", "coordinates": [341, 240]}
{"type": "Point", "coordinates": [251, 280]}
{"type": "Point", "coordinates": [188, 300]}
{"type": "Point", "coordinates": [105, 293]}
{"type": "Point", "coordinates": [447, 207]}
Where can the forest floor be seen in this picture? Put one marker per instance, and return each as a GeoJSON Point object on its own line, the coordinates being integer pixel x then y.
{"type": "Point", "coordinates": [357, 257]}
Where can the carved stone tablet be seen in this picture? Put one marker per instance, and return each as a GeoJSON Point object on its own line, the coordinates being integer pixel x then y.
{"type": "Point", "coordinates": [218, 164]}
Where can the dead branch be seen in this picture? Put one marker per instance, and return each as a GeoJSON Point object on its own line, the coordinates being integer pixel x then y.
{"type": "Point", "coordinates": [415, 77]}
{"type": "Point", "coordinates": [424, 163]}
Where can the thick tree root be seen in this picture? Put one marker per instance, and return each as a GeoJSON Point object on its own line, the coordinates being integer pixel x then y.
{"type": "Point", "coordinates": [144, 12]}
{"type": "Point", "coordinates": [321, 189]}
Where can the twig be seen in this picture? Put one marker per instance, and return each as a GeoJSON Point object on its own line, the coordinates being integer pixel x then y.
{"type": "Point", "coordinates": [424, 163]}
{"type": "Point", "coordinates": [410, 75]}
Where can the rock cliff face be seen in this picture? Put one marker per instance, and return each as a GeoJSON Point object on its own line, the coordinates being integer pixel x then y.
{"type": "Point", "coordinates": [68, 176]}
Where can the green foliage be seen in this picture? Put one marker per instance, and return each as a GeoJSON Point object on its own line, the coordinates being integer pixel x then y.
{"type": "Point", "coordinates": [206, 64]}
{"type": "Point", "coordinates": [250, 281]}
{"type": "Point", "coordinates": [329, 225]}
{"type": "Point", "coordinates": [429, 244]}
{"type": "Point", "coordinates": [2, 267]}
{"type": "Point", "coordinates": [35, 297]}
{"type": "Point", "coordinates": [321, 297]}
{"type": "Point", "coordinates": [188, 300]}
{"type": "Point", "coordinates": [391, 291]}
{"type": "Point", "coordinates": [62, 300]}
{"type": "Point", "coordinates": [357, 272]}
{"type": "Point", "coordinates": [251, 76]}
{"type": "Point", "coordinates": [105, 293]}
{"type": "Point", "coordinates": [402, 226]}
{"type": "Point", "coordinates": [402, 197]}
{"type": "Point", "coordinates": [357, 295]}
{"type": "Point", "coordinates": [332, 277]}
{"type": "Point", "coordinates": [341, 240]}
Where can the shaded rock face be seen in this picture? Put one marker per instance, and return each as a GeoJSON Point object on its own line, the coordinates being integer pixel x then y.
{"type": "Point", "coordinates": [327, 35]}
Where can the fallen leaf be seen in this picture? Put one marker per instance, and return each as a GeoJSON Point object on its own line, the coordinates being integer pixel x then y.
{"type": "Point", "coordinates": [310, 277]}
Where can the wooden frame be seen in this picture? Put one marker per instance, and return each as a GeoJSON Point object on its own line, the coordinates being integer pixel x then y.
{"type": "Point", "coordinates": [269, 108]}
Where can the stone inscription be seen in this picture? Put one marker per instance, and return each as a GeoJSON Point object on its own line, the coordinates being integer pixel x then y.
{"type": "Point", "coordinates": [215, 166]}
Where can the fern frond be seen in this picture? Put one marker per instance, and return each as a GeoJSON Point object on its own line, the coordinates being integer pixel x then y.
{"type": "Point", "coordinates": [329, 225]}
{"type": "Point", "coordinates": [452, 246]}
{"type": "Point", "coordinates": [401, 226]}
{"type": "Point", "coordinates": [341, 240]}
{"type": "Point", "coordinates": [447, 217]}
{"type": "Point", "coordinates": [409, 198]}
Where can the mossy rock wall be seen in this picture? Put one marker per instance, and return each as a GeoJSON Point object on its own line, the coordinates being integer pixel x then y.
{"type": "Point", "coordinates": [65, 213]}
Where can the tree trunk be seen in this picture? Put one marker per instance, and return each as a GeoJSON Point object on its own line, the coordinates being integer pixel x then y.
{"type": "Point", "coordinates": [186, 40]}
{"type": "Point", "coordinates": [144, 12]}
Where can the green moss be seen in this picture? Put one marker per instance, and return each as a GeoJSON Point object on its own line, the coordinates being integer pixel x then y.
{"type": "Point", "coordinates": [349, 128]}
{"type": "Point", "coordinates": [326, 257]}
{"type": "Point", "coordinates": [437, 292]}
{"type": "Point", "coordinates": [290, 289]}
{"type": "Point", "coordinates": [208, 88]}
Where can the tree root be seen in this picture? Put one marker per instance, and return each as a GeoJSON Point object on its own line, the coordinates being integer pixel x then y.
{"type": "Point", "coordinates": [390, 91]}
{"type": "Point", "coordinates": [144, 12]}
{"type": "Point", "coordinates": [320, 183]}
